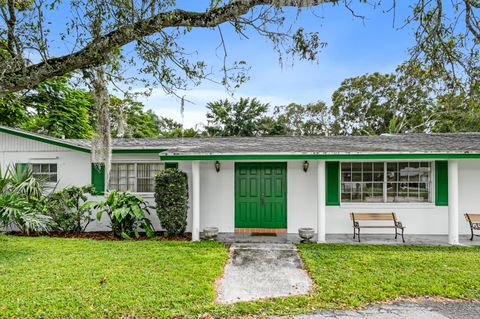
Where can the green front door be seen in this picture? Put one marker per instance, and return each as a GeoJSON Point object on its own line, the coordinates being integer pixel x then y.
{"type": "Point", "coordinates": [260, 195]}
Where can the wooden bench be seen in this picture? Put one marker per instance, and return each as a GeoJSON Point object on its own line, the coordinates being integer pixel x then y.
{"type": "Point", "coordinates": [474, 221]}
{"type": "Point", "coordinates": [375, 217]}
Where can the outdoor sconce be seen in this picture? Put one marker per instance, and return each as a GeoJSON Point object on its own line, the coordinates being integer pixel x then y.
{"type": "Point", "coordinates": [305, 166]}
{"type": "Point", "coordinates": [217, 166]}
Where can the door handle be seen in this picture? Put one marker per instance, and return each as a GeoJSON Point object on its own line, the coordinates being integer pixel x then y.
{"type": "Point", "coordinates": [263, 199]}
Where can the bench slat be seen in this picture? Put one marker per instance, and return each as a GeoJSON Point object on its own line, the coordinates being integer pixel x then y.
{"type": "Point", "coordinates": [372, 216]}
{"type": "Point", "coordinates": [380, 226]}
{"type": "Point", "coordinates": [474, 218]}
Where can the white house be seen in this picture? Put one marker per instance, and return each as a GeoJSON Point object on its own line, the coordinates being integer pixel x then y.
{"type": "Point", "coordinates": [278, 184]}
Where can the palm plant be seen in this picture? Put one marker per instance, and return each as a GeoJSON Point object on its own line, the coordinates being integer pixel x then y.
{"type": "Point", "coordinates": [19, 194]}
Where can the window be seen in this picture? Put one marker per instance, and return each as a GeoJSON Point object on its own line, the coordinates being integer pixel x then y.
{"type": "Point", "coordinates": [45, 172]}
{"type": "Point", "coordinates": [136, 177]}
{"type": "Point", "coordinates": [392, 182]}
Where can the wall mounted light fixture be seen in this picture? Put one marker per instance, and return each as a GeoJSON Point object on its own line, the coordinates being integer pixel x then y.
{"type": "Point", "coordinates": [217, 166]}
{"type": "Point", "coordinates": [305, 166]}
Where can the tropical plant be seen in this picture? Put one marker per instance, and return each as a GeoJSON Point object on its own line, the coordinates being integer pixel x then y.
{"type": "Point", "coordinates": [242, 118]}
{"type": "Point", "coordinates": [66, 209]}
{"type": "Point", "coordinates": [20, 194]}
{"type": "Point", "coordinates": [127, 213]}
{"type": "Point", "coordinates": [171, 197]}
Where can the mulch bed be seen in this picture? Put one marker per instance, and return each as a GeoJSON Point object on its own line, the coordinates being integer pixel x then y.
{"type": "Point", "coordinates": [106, 236]}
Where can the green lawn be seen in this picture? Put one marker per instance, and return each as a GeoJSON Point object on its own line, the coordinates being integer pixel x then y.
{"type": "Point", "coordinates": [81, 278]}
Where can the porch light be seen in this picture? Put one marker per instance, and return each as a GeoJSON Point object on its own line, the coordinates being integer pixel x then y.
{"type": "Point", "coordinates": [305, 166]}
{"type": "Point", "coordinates": [217, 166]}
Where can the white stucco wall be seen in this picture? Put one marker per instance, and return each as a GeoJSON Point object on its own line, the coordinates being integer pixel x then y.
{"type": "Point", "coordinates": [73, 166]}
{"type": "Point", "coordinates": [218, 192]}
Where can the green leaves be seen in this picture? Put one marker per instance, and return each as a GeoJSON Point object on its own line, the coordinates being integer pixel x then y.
{"type": "Point", "coordinates": [127, 213]}
{"type": "Point", "coordinates": [242, 118]}
{"type": "Point", "coordinates": [69, 210]}
{"type": "Point", "coordinates": [20, 194]}
{"type": "Point", "coordinates": [171, 196]}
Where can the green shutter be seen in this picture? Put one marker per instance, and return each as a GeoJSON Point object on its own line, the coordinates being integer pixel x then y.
{"type": "Point", "coordinates": [332, 179]}
{"type": "Point", "coordinates": [441, 183]}
{"type": "Point", "coordinates": [171, 165]}
{"type": "Point", "coordinates": [98, 178]}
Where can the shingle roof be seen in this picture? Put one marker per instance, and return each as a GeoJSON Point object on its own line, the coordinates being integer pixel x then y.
{"type": "Point", "coordinates": [454, 143]}
{"type": "Point", "coordinates": [458, 143]}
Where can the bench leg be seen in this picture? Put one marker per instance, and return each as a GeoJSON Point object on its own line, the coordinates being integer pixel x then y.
{"type": "Point", "coordinates": [354, 233]}
{"type": "Point", "coordinates": [396, 232]}
{"type": "Point", "coordinates": [403, 239]}
{"type": "Point", "coordinates": [471, 229]}
{"type": "Point", "coordinates": [358, 234]}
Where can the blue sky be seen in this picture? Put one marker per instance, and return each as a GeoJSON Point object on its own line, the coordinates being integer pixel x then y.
{"type": "Point", "coordinates": [354, 48]}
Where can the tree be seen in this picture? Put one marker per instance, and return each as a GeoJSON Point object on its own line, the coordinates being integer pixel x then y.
{"type": "Point", "coordinates": [242, 118]}
{"type": "Point", "coordinates": [376, 103]}
{"type": "Point", "coordinates": [156, 27]}
{"type": "Point", "coordinates": [171, 128]}
{"type": "Point", "coordinates": [128, 119]}
{"type": "Point", "coordinates": [58, 109]}
{"type": "Point", "coordinates": [457, 112]}
{"type": "Point", "coordinates": [309, 119]}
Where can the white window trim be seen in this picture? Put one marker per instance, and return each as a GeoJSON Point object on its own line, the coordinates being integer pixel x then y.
{"type": "Point", "coordinates": [385, 204]}
{"type": "Point", "coordinates": [135, 162]}
{"type": "Point", "coordinates": [48, 184]}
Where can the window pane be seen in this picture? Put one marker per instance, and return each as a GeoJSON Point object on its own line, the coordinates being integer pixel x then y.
{"type": "Point", "coordinates": [346, 177]}
{"type": "Point", "coordinates": [53, 168]}
{"type": "Point", "coordinates": [392, 167]}
{"type": "Point", "coordinates": [36, 168]}
{"type": "Point", "coordinates": [367, 167]}
{"type": "Point", "coordinates": [392, 176]}
{"type": "Point", "coordinates": [357, 177]}
{"type": "Point", "coordinates": [356, 192]}
{"type": "Point", "coordinates": [346, 167]}
{"type": "Point", "coordinates": [378, 176]}
{"type": "Point", "coordinates": [45, 168]}
{"type": "Point", "coordinates": [356, 166]}
{"type": "Point", "coordinates": [378, 167]}
{"type": "Point", "coordinates": [367, 177]}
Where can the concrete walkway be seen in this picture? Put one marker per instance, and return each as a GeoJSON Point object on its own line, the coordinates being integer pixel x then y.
{"type": "Point", "coordinates": [367, 239]}
{"type": "Point", "coordinates": [406, 310]}
{"type": "Point", "coordinates": [257, 271]}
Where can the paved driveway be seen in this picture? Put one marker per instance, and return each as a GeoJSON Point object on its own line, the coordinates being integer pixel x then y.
{"type": "Point", "coordinates": [406, 310]}
{"type": "Point", "coordinates": [257, 271]}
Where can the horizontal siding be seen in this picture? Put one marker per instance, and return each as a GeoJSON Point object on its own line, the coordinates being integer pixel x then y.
{"type": "Point", "coordinates": [12, 143]}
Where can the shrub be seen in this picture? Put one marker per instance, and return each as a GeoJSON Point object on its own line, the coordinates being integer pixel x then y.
{"type": "Point", "coordinates": [126, 212]}
{"type": "Point", "coordinates": [171, 197]}
{"type": "Point", "coordinates": [66, 209]}
{"type": "Point", "coordinates": [20, 194]}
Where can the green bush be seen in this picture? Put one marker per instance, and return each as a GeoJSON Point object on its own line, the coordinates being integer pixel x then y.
{"type": "Point", "coordinates": [20, 194]}
{"type": "Point", "coordinates": [66, 210]}
{"type": "Point", "coordinates": [171, 196]}
{"type": "Point", "coordinates": [127, 213]}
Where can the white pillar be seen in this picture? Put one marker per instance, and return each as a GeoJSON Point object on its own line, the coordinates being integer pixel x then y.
{"type": "Point", "coordinates": [321, 208]}
{"type": "Point", "coordinates": [195, 201]}
{"type": "Point", "coordinates": [453, 202]}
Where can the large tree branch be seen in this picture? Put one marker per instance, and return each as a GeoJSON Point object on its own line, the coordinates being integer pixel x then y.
{"type": "Point", "coordinates": [94, 53]}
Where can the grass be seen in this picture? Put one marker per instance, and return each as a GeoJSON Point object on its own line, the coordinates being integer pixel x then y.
{"type": "Point", "coordinates": [81, 278]}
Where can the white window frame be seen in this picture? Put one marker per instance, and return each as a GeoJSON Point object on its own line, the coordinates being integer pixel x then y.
{"type": "Point", "coordinates": [135, 163]}
{"type": "Point", "coordinates": [48, 182]}
{"type": "Point", "coordinates": [423, 205]}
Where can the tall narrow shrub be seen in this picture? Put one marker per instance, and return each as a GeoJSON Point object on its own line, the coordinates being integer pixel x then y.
{"type": "Point", "coordinates": [171, 197]}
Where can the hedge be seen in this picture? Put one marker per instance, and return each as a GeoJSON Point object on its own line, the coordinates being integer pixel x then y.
{"type": "Point", "coordinates": [171, 197]}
